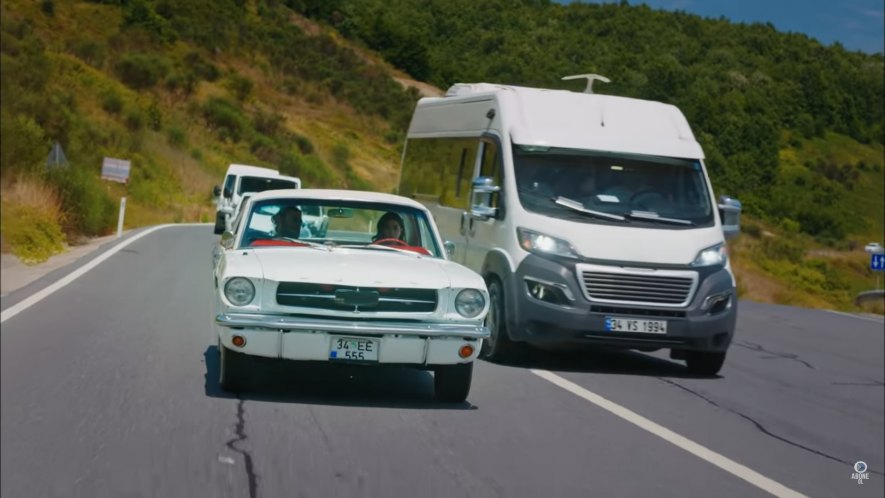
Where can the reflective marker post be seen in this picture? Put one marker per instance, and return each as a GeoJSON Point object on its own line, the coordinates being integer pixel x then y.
{"type": "Point", "coordinates": [122, 215]}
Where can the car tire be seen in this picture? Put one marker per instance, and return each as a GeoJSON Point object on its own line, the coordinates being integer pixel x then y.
{"type": "Point", "coordinates": [498, 346]}
{"type": "Point", "coordinates": [219, 223]}
{"type": "Point", "coordinates": [705, 363]}
{"type": "Point", "coordinates": [231, 370]}
{"type": "Point", "coordinates": [451, 383]}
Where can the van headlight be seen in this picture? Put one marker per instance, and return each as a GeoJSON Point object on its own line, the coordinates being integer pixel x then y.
{"type": "Point", "coordinates": [239, 291]}
{"type": "Point", "coordinates": [545, 245]}
{"type": "Point", "coordinates": [716, 255]}
{"type": "Point", "coordinates": [469, 303]}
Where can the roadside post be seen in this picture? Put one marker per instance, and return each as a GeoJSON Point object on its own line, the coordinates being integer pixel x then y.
{"type": "Point", "coordinates": [117, 170]}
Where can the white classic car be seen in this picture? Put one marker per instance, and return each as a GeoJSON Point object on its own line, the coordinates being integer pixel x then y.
{"type": "Point", "coordinates": [351, 293]}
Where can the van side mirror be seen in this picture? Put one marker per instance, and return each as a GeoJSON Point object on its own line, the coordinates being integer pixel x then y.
{"type": "Point", "coordinates": [730, 215]}
{"type": "Point", "coordinates": [481, 198]}
{"type": "Point", "coordinates": [216, 191]}
{"type": "Point", "coordinates": [450, 248]}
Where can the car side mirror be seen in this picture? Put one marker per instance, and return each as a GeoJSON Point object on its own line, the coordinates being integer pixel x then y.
{"type": "Point", "coordinates": [450, 248]}
{"type": "Point", "coordinates": [730, 216]}
{"type": "Point", "coordinates": [227, 240]}
{"type": "Point", "coordinates": [216, 191]}
{"type": "Point", "coordinates": [483, 190]}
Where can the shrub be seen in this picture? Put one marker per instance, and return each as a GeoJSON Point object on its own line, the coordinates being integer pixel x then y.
{"type": "Point", "coordinates": [305, 146]}
{"type": "Point", "coordinates": [176, 136]}
{"type": "Point", "coordinates": [112, 103]}
{"type": "Point", "coordinates": [225, 117]}
{"type": "Point", "coordinates": [48, 7]}
{"type": "Point", "coordinates": [239, 86]}
{"type": "Point", "coordinates": [155, 116]}
{"type": "Point", "coordinates": [87, 206]}
{"type": "Point", "coordinates": [90, 51]}
{"type": "Point", "coordinates": [141, 71]}
{"type": "Point", "coordinates": [201, 67]}
{"type": "Point", "coordinates": [23, 143]}
{"type": "Point", "coordinates": [31, 220]}
{"type": "Point", "coordinates": [134, 120]}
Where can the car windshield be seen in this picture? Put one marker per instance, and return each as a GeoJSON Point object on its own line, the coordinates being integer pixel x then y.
{"type": "Point", "coordinates": [334, 223]}
{"type": "Point", "coordinates": [612, 188]}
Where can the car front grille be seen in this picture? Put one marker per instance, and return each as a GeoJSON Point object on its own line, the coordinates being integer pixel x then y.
{"type": "Point", "coordinates": [350, 298]}
{"type": "Point", "coordinates": [637, 286]}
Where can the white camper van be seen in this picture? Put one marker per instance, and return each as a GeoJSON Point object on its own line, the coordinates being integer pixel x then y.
{"type": "Point", "coordinates": [242, 179]}
{"type": "Point", "coordinates": [590, 216]}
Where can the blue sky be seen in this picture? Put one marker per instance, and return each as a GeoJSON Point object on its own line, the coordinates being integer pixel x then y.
{"type": "Point", "coordinates": [856, 24]}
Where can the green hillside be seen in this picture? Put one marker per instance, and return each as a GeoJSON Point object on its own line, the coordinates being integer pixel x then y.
{"type": "Point", "coordinates": [314, 87]}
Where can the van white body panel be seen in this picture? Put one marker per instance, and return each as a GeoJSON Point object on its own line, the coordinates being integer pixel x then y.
{"type": "Point", "coordinates": [642, 258]}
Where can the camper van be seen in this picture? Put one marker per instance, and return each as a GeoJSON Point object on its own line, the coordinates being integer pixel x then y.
{"type": "Point", "coordinates": [591, 218]}
{"type": "Point", "coordinates": [243, 179]}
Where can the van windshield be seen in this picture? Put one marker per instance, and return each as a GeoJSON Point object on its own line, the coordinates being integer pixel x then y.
{"type": "Point", "coordinates": [259, 184]}
{"type": "Point", "coordinates": [571, 183]}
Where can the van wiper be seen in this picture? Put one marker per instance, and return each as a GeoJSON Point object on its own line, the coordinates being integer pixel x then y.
{"type": "Point", "coordinates": [577, 206]}
{"type": "Point", "coordinates": [650, 216]}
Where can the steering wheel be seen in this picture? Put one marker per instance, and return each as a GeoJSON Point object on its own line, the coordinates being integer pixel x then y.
{"type": "Point", "coordinates": [653, 195]}
{"type": "Point", "coordinates": [391, 242]}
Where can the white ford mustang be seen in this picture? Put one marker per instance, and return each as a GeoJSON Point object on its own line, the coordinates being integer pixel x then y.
{"type": "Point", "coordinates": [355, 292]}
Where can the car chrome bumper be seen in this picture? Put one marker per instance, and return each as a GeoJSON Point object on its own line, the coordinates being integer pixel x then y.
{"type": "Point", "coordinates": [291, 323]}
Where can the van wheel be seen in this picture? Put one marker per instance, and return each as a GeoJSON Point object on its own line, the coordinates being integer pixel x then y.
{"type": "Point", "coordinates": [499, 346]}
{"type": "Point", "coordinates": [704, 362]}
{"type": "Point", "coordinates": [230, 369]}
{"type": "Point", "coordinates": [451, 383]}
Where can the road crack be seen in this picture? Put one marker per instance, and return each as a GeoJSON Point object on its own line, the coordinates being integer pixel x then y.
{"type": "Point", "coordinates": [240, 431]}
{"type": "Point", "coordinates": [774, 354]}
{"type": "Point", "coordinates": [761, 427]}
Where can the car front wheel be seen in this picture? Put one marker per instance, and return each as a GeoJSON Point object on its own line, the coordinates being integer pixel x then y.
{"type": "Point", "coordinates": [230, 369]}
{"type": "Point", "coordinates": [452, 382]}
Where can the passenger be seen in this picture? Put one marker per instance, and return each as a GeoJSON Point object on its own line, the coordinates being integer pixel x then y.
{"type": "Point", "coordinates": [287, 222]}
{"type": "Point", "coordinates": [390, 226]}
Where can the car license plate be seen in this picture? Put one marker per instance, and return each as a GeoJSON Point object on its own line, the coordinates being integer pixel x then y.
{"type": "Point", "coordinates": [613, 324]}
{"type": "Point", "coordinates": [354, 348]}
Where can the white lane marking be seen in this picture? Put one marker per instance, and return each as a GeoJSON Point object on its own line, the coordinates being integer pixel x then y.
{"type": "Point", "coordinates": [861, 317]}
{"type": "Point", "coordinates": [724, 463]}
{"type": "Point", "coordinates": [39, 296]}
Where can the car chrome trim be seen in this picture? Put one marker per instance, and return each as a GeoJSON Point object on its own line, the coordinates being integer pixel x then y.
{"type": "Point", "coordinates": [292, 323]}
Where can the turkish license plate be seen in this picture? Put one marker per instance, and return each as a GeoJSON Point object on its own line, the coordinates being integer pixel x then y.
{"type": "Point", "coordinates": [613, 324]}
{"type": "Point", "coordinates": [354, 348]}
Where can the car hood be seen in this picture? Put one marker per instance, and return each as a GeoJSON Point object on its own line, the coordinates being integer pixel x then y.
{"type": "Point", "coordinates": [356, 267]}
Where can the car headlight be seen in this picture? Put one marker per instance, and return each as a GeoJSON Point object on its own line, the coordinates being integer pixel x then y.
{"type": "Point", "coordinates": [716, 255]}
{"type": "Point", "coordinates": [469, 303]}
{"type": "Point", "coordinates": [545, 245]}
{"type": "Point", "coordinates": [239, 291]}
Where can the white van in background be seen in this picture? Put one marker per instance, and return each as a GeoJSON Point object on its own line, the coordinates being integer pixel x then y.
{"type": "Point", "coordinates": [591, 217]}
{"type": "Point", "coordinates": [242, 179]}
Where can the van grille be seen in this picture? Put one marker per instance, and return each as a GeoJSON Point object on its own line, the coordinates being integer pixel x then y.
{"type": "Point", "coordinates": [343, 297]}
{"type": "Point", "coordinates": [661, 287]}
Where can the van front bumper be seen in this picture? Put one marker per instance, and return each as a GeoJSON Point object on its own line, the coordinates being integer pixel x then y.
{"type": "Point", "coordinates": [574, 318]}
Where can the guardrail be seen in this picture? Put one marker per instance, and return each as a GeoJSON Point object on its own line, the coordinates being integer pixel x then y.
{"type": "Point", "coordinates": [869, 296]}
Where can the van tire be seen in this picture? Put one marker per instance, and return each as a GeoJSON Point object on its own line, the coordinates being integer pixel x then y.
{"type": "Point", "coordinates": [499, 346]}
{"type": "Point", "coordinates": [706, 363]}
{"type": "Point", "coordinates": [451, 383]}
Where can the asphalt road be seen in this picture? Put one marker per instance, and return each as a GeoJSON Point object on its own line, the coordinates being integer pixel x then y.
{"type": "Point", "coordinates": [109, 389]}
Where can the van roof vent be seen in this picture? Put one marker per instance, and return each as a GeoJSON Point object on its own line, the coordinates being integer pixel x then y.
{"type": "Point", "coordinates": [590, 79]}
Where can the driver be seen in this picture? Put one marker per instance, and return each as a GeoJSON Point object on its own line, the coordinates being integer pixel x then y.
{"type": "Point", "coordinates": [287, 222]}
{"type": "Point", "coordinates": [390, 226]}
